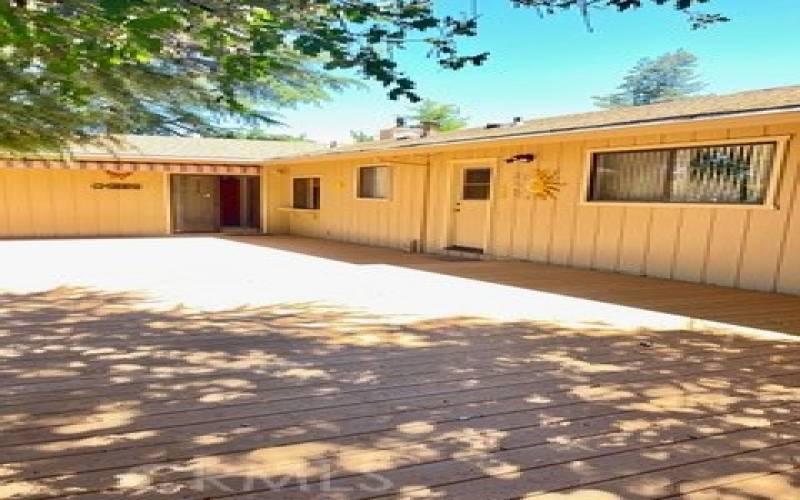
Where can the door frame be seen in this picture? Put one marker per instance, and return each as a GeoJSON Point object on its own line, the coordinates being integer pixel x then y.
{"type": "Point", "coordinates": [454, 186]}
{"type": "Point", "coordinates": [171, 213]}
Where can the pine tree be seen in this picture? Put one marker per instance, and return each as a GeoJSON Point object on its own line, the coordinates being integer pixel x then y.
{"type": "Point", "coordinates": [665, 78]}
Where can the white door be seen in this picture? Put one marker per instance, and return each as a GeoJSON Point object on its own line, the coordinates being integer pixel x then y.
{"type": "Point", "coordinates": [471, 210]}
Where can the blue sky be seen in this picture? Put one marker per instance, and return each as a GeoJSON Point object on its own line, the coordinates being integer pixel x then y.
{"type": "Point", "coordinates": [552, 65]}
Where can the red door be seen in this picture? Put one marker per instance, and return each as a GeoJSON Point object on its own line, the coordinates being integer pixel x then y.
{"type": "Point", "coordinates": [229, 203]}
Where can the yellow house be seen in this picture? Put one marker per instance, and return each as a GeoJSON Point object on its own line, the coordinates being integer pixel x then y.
{"type": "Point", "coordinates": [139, 185]}
{"type": "Point", "coordinates": [703, 189]}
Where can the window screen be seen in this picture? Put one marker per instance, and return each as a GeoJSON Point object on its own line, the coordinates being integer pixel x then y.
{"type": "Point", "coordinates": [477, 184]}
{"type": "Point", "coordinates": [305, 193]}
{"type": "Point", "coordinates": [373, 182]}
{"type": "Point", "coordinates": [730, 174]}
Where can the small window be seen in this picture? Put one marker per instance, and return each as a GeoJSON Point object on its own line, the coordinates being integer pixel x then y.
{"type": "Point", "coordinates": [726, 174]}
{"type": "Point", "coordinates": [305, 193]}
{"type": "Point", "coordinates": [477, 184]}
{"type": "Point", "coordinates": [373, 182]}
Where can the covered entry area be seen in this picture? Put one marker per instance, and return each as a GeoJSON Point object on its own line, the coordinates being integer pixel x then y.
{"type": "Point", "coordinates": [215, 203]}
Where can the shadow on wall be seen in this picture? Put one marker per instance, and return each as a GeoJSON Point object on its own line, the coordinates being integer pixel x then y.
{"type": "Point", "coordinates": [104, 397]}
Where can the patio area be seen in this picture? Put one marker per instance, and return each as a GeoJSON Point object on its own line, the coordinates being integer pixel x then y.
{"type": "Point", "coordinates": [282, 367]}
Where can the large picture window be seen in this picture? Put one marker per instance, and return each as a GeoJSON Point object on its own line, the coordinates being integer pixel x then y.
{"type": "Point", "coordinates": [305, 193]}
{"type": "Point", "coordinates": [373, 182]}
{"type": "Point", "coordinates": [725, 174]}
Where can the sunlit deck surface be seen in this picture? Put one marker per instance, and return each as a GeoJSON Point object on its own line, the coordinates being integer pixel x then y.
{"type": "Point", "coordinates": [281, 367]}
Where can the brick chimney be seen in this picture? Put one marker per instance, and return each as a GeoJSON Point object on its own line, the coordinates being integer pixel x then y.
{"type": "Point", "coordinates": [400, 131]}
{"type": "Point", "coordinates": [428, 128]}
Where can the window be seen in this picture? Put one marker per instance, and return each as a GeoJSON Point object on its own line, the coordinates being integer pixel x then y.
{"type": "Point", "coordinates": [725, 174]}
{"type": "Point", "coordinates": [373, 182]}
{"type": "Point", "coordinates": [477, 184]}
{"type": "Point", "coordinates": [305, 193]}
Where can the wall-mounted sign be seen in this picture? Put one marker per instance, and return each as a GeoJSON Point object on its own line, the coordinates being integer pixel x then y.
{"type": "Point", "coordinates": [116, 185]}
{"type": "Point", "coordinates": [118, 175]}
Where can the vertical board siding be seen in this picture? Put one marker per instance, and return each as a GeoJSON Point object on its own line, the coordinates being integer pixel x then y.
{"type": "Point", "coordinates": [729, 233]}
{"type": "Point", "coordinates": [692, 248]}
{"type": "Point", "coordinates": [393, 222]}
{"type": "Point", "coordinates": [664, 237]}
{"type": "Point", "coordinates": [762, 255]}
{"type": "Point", "coordinates": [691, 260]}
{"type": "Point", "coordinates": [566, 203]}
{"type": "Point", "coordinates": [437, 215]}
{"type": "Point", "coordinates": [524, 227]}
{"type": "Point", "coordinates": [543, 211]}
{"type": "Point", "coordinates": [611, 222]}
{"type": "Point", "coordinates": [788, 274]}
{"type": "Point", "coordinates": [505, 202]}
{"type": "Point", "coordinates": [587, 219]}
{"type": "Point", "coordinates": [638, 226]}
{"type": "Point", "coordinates": [750, 248]}
{"type": "Point", "coordinates": [635, 240]}
{"type": "Point", "coordinates": [52, 202]}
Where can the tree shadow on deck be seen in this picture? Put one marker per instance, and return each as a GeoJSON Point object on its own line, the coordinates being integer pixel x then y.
{"type": "Point", "coordinates": [103, 396]}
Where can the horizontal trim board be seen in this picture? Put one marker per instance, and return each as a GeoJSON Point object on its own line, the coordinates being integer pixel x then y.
{"type": "Point", "coordinates": [117, 166]}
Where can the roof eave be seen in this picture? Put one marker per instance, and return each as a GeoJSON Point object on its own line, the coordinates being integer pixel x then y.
{"type": "Point", "coordinates": [422, 146]}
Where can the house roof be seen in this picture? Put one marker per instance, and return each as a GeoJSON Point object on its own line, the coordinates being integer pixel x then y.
{"type": "Point", "coordinates": [198, 149]}
{"type": "Point", "coordinates": [782, 99]}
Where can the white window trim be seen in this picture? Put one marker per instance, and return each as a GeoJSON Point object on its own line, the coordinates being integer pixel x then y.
{"type": "Point", "coordinates": [389, 188]}
{"type": "Point", "coordinates": [770, 199]}
{"type": "Point", "coordinates": [291, 206]}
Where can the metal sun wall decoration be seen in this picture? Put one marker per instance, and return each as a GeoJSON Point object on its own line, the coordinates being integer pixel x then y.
{"type": "Point", "coordinates": [538, 183]}
{"type": "Point", "coordinates": [546, 184]}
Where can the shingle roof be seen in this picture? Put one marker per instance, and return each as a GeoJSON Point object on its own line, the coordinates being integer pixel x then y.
{"type": "Point", "coordinates": [162, 148]}
{"type": "Point", "coordinates": [704, 107]}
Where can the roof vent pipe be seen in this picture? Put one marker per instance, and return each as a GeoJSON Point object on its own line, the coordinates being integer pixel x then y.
{"type": "Point", "coordinates": [517, 120]}
{"type": "Point", "coordinates": [401, 122]}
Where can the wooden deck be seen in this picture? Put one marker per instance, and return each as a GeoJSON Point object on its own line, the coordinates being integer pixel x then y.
{"type": "Point", "coordinates": [309, 378]}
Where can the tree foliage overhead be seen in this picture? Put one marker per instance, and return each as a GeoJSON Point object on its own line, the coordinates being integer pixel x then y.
{"type": "Point", "coordinates": [666, 78]}
{"type": "Point", "coordinates": [697, 19]}
{"type": "Point", "coordinates": [443, 117]}
{"type": "Point", "coordinates": [70, 69]}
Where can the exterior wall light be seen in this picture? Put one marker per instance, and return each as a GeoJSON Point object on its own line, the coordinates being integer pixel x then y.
{"type": "Point", "coordinates": [521, 158]}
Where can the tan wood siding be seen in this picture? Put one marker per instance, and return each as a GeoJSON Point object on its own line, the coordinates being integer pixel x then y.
{"type": "Point", "coordinates": [392, 222]}
{"type": "Point", "coordinates": [747, 247]}
{"type": "Point", "coordinates": [787, 278]}
{"type": "Point", "coordinates": [53, 202]}
{"type": "Point", "coordinates": [566, 204]}
{"type": "Point", "coordinates": [587, 222]}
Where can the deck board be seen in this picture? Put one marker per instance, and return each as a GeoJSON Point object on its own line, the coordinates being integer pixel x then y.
{"type": "Point", "coordinates": [105, 396]}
